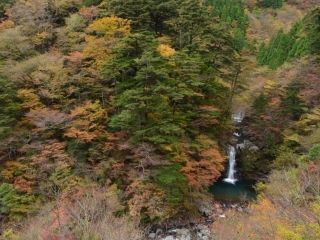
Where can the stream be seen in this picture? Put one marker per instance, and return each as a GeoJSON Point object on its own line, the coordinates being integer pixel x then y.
{"type": "Point", "coordinates": [231, 187]}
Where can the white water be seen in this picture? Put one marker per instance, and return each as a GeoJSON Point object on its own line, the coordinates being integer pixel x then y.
{"type": "Point", "coordinates": [236, 117]}
{"type": "Point", "coordinates": [232, 163]}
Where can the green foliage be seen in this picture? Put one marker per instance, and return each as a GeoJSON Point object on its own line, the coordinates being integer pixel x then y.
{"type": "Point", "coordinates": [232, 12]}
{"type": "Point", "coordinates": [260, 103]}
{"type": "Point", "coordinates": [14, 204]}
{"type": "Point", "coordinates": [173, 182]}
{"type": "Point", "coordinates": [271, 3]}
{"type": "Point", "coordinates": [285, 158]}
{"type": "Point", "coordinates": [88, 3]}
{"type": "Point", "coordinates": [3, 5]}
{"type": "Point", "coordinates": [312, 22]}
{"type": "Point", "coordinates": [75, 23]}
{"type": "Point", "coordinates": [10, 106]}
{"type": "Point", "coordinates": [14, 45]}
{"type": "Point", "coordinates": [151, 15]}
{"type": "Point", "coordinates": [282, 47]}
{"type": "Point", "coordinates": [291, 103]}
{"type": "Point", "coordinates": [302, 39]}
{"type": "Point", "coordinates": [78, 150]}
{"type": "Point", "coordinates": [157, 97]}
{"type": "Point", "coordinates": [314, 152]}
{"type": "Point", "coordinates": [269, 150]}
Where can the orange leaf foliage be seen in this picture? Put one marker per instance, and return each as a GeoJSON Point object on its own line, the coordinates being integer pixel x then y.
{"type": "Point", "coordinates": [23, 185]}
{"type": "Point", "coordinates": [86, 123]}
{"type": "Point", "coordinates": [52, 151]}
{"type": "Point", "coordinates": [89, 13]}
{"type": "Point", "coordinates": [201, 174]}
{"type": "Point", "coordinates": [146, 199]}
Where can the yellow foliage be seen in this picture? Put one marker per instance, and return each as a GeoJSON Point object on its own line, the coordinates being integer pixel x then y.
{"type": "Point", "coordinates": [147, 199]}
{"type": "Point", "coordinates": [6, 24]}
{"type": "Point", "coordinates": [40, 38]}
{"type": "Point", "coordinates": [110, 26]}
{"type": "Point", "coordinates": [29, 98]}
{"type": "Point", "coordinates": [270, 85]}
{"type": "Point", "coordinates": [286, 234]}
{"type": "Point", "coordinates": [165, 50]}
{"type": "Point", "coordinates": [107, 30]}
{"type": "Point", "coordinates": [12, 169]}
{"type": "Point", "coordinates": [86, 122]}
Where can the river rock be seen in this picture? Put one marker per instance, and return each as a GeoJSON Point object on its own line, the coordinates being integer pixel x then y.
{"type": "Point", "coordinates": [247, 145]}
{"type": "Point", "coordinates": [168, 238]}
{"type": "Point", "coordinates": [152, 236]}
{"type": "Point", "coordinates": [206, 210]}
{"type": "Point", "coordinates": [203, 232]}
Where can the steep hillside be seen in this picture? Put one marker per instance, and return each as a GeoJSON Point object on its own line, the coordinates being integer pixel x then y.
{"type": "Point", "coordinates": [115, 118]}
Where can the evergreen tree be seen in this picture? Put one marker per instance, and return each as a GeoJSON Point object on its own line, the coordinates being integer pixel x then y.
{"type": "Point", "coordinates": [193, 17]}
{"type": "Point", "coordinates": [9, 110]}
{"type": "Point", "coordinates": [260, 103]}
{"type": "Point", "coordinates": [3, 5]}
{"type": "Point", "coordinates": [302, 39]}
{"type": "Point", "coordinates": [148, 15]}
{"type": "Point", "coordinates": [312, 26]}
{"type": "Point", "coordinates": [292, 104]}
{"type": "Point", "coordinates": [272, 3]}
{"type": "Point", "coordinates": [232, 12]}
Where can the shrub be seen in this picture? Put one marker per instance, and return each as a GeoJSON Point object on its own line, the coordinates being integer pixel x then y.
{"type": "Point", "coordinates": [14, 204]}
{"type": "Point", "coordinates": [314, 153]}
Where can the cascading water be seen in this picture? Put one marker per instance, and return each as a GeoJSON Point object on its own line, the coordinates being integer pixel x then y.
{"type": "Point", "coordinates": [237, 118]}
{"type": "Point", "coordinates": [232, 163]}
{"type": "Point", "coordinates": [230, 188]}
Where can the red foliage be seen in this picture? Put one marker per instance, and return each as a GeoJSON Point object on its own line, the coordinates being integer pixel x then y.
{"type": "Point", "coordinates": [201, 174]}
{"type": "Point", "coordinates": [89, 13]}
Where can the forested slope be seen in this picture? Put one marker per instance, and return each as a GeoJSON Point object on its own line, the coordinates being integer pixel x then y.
{"type": "Point", "coordinates": [125, 95]}
{"type": "Point", "coordinates": [115, 115]}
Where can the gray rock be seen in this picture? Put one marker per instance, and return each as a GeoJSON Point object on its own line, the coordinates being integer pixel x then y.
{"type": "Point", "coordinates": [152, 235]}
{"type": "Point", "coordinates": [203, 233]}
{"type": "Point", "coordinates": [205, 210]}
{"type": "Point", "coordinates": [168, 238]}
{"type": "Point", "coordinates": [183, 231]}
{"type": "Point", "coordinates": [247, 145]}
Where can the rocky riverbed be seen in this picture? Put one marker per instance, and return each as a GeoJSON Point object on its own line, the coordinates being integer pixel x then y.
{"type": "Point", "coordinates": [196, 228]}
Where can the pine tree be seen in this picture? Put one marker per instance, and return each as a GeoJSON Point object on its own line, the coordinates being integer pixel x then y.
{"type": "Point", "coordinates": [272, 3]}
{"type": "Point", "coordinates": [292, 104]}
{"type": "Point", "coordinates": [3, 5]}
{"type": "Point", "coordinates": [10, 106]}
{"type": "Point", "coordinates": [232, 12]}
{"type": "Point", "coordinates": [150, 15]}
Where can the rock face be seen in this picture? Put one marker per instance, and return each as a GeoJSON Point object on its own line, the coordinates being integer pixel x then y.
{"type": "Point", "coordinates": [205, 209]}
{"type": "Point", "coordinates": [199, 232]}
{"type": "Point", "coordinates": [203, 233]}
{"type": "Point", "coordinates": [247, 145]}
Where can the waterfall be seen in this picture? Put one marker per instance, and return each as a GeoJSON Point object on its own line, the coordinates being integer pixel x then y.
{"type": "Point", "coordinates": [232, 163]}
{"type": "Point", "coordinates": [237, 118]}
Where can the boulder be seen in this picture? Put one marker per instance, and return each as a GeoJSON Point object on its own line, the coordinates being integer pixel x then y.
{"type": "Point", "coordinates": [152, 235]}
{"type": "Point", "coordinates": [168, 238]}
